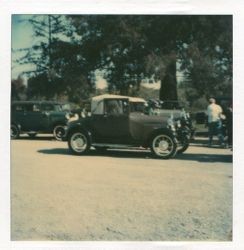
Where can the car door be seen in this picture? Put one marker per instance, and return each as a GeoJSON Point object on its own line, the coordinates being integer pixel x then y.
{"type": "Point", "coordinates": [113, 125]}
{"type": "Point", "coordinates": [18, 115]}
{"type": "Point", "coordinates": [35, 118]}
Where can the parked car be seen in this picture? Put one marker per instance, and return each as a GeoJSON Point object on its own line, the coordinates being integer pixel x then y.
{"type": "Point", "coordinates": [112, 125]}
{"type": "Point", "coordinates": [177, 110]}
{"type": "Point", "coordinates": [33, 117]}
{"type": "Point", "coordinates": [182, 120]}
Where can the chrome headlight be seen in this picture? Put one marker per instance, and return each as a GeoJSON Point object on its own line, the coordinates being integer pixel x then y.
{"type": "Point", "coordinates": [171, 124]}
{"type": "Point", "coordinates": [178, 123]}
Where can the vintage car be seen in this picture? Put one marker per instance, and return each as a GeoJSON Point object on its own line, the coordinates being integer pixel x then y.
{"type": "Point", "coordinates": [177, 110]}
{"type": "Point", "coordinates": [112, 125]}
{"type": "Point", "coordinates": [181, 119]}
{"type": "Point", "coordinates": [34, 117]}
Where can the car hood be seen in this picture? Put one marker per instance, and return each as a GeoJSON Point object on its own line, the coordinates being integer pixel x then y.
{"type": "Point", "coordinates": [149, 119]}
{"type": "Point", "coordinates": [175, 113]}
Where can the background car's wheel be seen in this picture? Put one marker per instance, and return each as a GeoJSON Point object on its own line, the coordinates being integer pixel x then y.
{"type": "Point", "coordinates": [32, 135]}
{"type": "Point", "coordinates": [79, 142]}
{"type": "Point", "coordinates": [183, 145]}
{"type": "Point", "coordinates": [163, 146]}
{"type": "Point", "coordinates": [14, 130]}
{"type": "Point", "coordinates": [58, 132]}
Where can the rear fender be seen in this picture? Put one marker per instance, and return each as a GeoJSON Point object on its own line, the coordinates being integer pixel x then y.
{"type": "Point", "coordinates": [78, 127]}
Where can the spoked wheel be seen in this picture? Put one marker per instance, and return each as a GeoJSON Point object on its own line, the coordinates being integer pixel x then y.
{"type": "Point", "coordinates": [163, 146]}
{"type": "Point", "coordinates": [79, 143]}
{"type": "Point", "coordinates": [14, 132]}
{"type": "Point", "coordinates": [59, 132]}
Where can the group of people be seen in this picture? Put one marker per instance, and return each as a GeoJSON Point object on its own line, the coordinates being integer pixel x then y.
{"type": "Point", "coordinates": [220, 123]}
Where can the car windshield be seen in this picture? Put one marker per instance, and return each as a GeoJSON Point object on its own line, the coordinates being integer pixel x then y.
{"type": "Point", "coordinates": [66, 107]}
{"type": "Point", "coordinates": [137, 107]}
{"type": "Point", "coordinates": [116, 107]}
{"type": "Point", "coordinates": [51, 107]}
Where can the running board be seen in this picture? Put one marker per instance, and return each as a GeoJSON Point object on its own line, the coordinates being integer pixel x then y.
{"type": "Point", "coordinates": [111, 145]}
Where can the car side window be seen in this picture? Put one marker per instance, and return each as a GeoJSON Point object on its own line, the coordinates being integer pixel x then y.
{"type": "Point", "coordinates": [18, 108]}
{"type": "Point", "coordinates": [115, 107]}
{"type": "Point", "coordinates": [29, 107]}
{"type": "Point", "coordinates": [36, 108]}
{"type": "Point", "coordinates": [47, 107]}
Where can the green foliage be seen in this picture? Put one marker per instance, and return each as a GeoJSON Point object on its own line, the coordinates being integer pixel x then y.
{"type": "Point", "coordinates": [127, 49]}
{"type": "Point", "coordinates": [18, 89]}
{"type": "Point", "coordinates": [60, 65]}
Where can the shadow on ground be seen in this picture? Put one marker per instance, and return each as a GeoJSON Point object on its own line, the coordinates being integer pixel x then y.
{"type": "Point", "coordinates": [37, 138]}
{"type": "Point", "coordinates": [143, 154]}
{"type": "Point", "coordinates": [205, 157]}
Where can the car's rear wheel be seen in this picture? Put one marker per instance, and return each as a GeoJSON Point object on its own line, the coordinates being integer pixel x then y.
{"type": "Point", "coordinates": [79, 142]}
{"type": "Point", "coordinates": [14, 131]}
{"type": "Point", "coordinates": [58, 132]}
{"type": "Point", "coordinates": [163, 146]}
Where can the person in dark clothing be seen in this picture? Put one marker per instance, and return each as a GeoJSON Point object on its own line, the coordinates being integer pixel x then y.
{"type": "Point", "coordinates": [229, 124]}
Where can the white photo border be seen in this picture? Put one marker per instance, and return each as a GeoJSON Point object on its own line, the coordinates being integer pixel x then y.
{"type": "Point", "coordinates": [235, 8]}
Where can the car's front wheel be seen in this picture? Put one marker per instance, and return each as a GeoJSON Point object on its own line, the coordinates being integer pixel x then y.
{"type": "Point", "coordinates": [14, 130]}
{"type": "Point", "coordinates": [79, 142]}
{"type": "Point", "coordinates": [59, 132]}
{"type": "Point", "coordinates": [163, 146]}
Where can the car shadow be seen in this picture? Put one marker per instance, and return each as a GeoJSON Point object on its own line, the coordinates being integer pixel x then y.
{"type": "Point", "coordinates": [37, 138]}
{"type": "Point", "coordinates": [108, 153]}
{"type": "Point", "coordinates": [54, 151]}
{"type": "Point", "coordinates": [143, 154]}
{"type": "Point", "coordinates": [205, 157]}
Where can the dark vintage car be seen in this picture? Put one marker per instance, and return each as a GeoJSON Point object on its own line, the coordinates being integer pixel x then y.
{"type": "Point", "coordinates": [181, 119]}
{"type": "Point", "coordinates": [112, 125]}
{"type": "Point", "coordinates": [34, 117]}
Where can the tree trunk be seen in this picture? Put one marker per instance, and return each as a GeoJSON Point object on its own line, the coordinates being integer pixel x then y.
{"type": "Point", "coordinates": [168, 89]}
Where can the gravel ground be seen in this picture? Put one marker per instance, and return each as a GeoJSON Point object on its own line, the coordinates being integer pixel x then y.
{"type": "Point", "coordinates": [119, 195]}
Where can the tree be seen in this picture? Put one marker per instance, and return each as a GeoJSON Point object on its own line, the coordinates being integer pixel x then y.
{"type": "Point", "coordinates": [131, 48]}
{"type": "Point", "coordinates": [60, 69]}
{"type": "Point", "coordinates": [18, 89]}
{"type": "Point", "coordinates": [206, 57]}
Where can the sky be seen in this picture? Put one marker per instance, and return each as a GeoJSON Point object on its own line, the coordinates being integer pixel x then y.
{"type": "Point", "coordinates": [22, 37]}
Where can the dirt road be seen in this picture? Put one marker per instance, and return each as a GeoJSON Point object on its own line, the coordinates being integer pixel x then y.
{"type": "Point", "coordinates": [119, 195]}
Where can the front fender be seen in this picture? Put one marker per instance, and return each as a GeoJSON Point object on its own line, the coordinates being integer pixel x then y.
{"type": "Point", "coordinates": [75, 126]}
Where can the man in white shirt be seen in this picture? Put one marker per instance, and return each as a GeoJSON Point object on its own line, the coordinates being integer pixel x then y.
{"type": "Point", "coordinates": [214, 112]}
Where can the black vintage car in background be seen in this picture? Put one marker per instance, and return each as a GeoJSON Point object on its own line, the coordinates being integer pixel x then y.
{"type": "Point", "coordinates": [34, 117]}
{"type": "Point", "coordinates": [113, 125]}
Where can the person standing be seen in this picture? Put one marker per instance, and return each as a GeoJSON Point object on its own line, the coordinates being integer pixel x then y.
{"type": "Point", "coordinates": [214, 112]}
{"type": "Point", "coordinates": [229, 125]}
